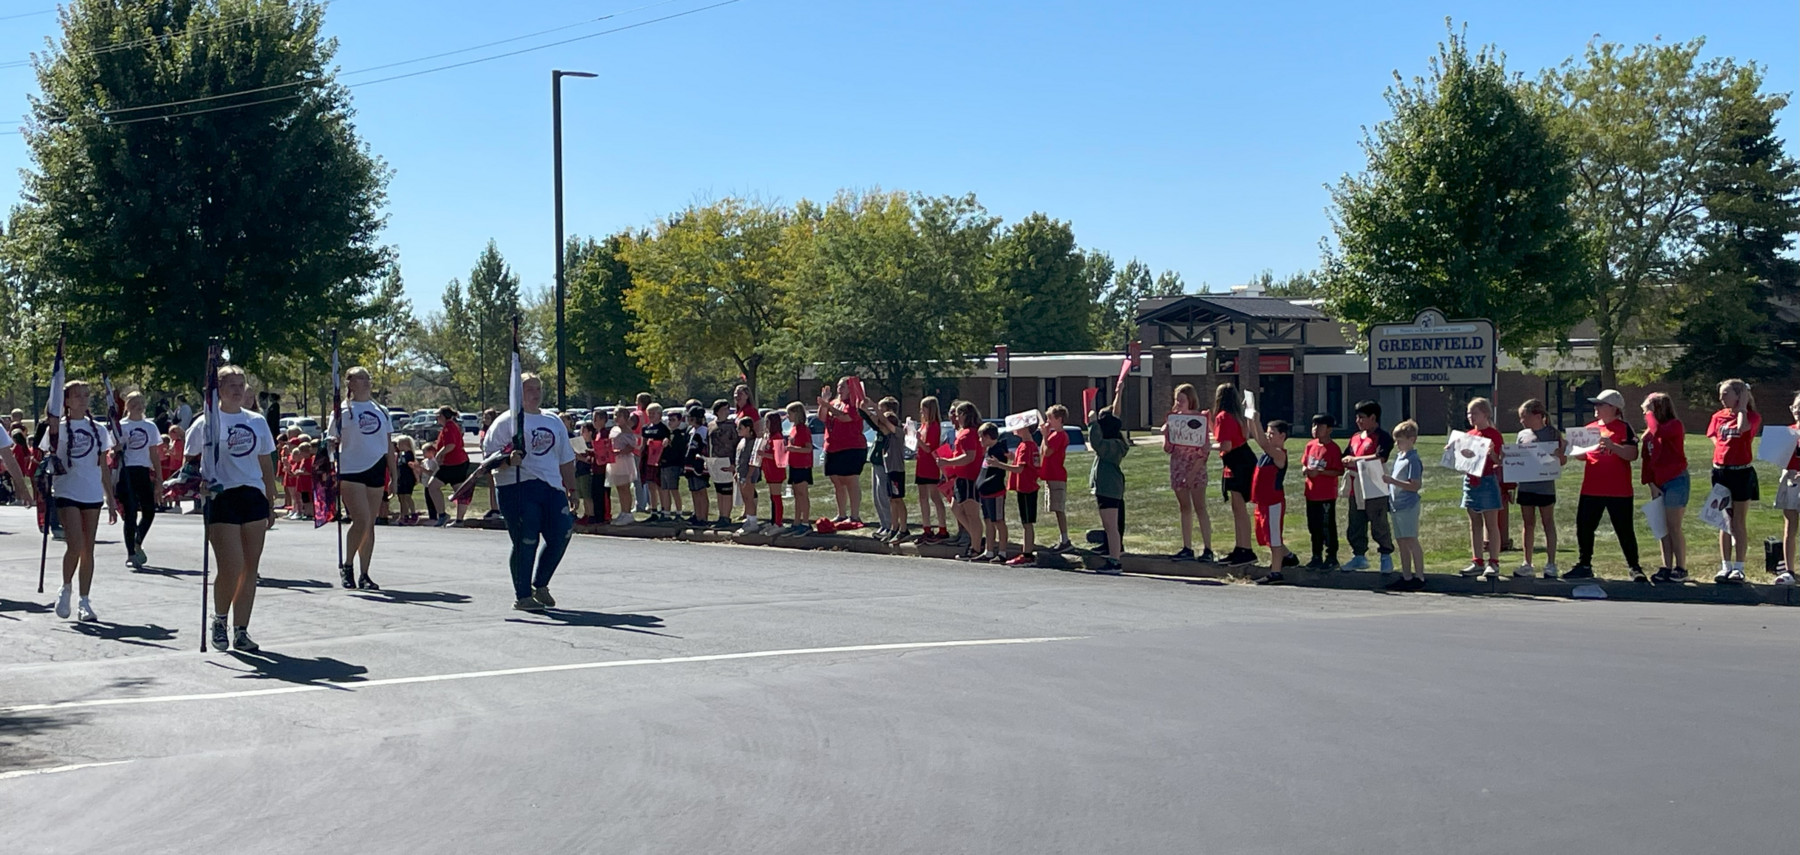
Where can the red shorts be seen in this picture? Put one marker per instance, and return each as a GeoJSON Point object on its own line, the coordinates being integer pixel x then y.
{"type": "Point", "coordinates": [1268, 524]}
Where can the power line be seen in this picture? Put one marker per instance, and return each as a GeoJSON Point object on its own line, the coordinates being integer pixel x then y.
{"type": "Point", "coordinates": [27, 14]}
{"type": "Point", "coordinates": [420, 73]}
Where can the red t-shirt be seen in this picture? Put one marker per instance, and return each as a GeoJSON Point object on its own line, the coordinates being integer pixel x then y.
{"type": "Point", "coordinates": [1026, 479]}
{"type": "Point", "coordinates": [1730, 447]}
{"type": "Point", "coordinates": [1320, 456]}
{"type": "Point", "coordinates": [171, 461]}
{"type": "Point", "coordinates": [1055, 454]}
{"type": "Point", "coordinates": [1227, 430]}
{"type": "Point", "coordinates": [843, 434]}
{"type": "Point", "coordinates": [771, 468]}
{"type": "Point", "coordinates": [1493, 462]}
{"type": "Point", "coordinates": [799, 445]}
{"type": "Point", "coordinates": [1664, 450]}
{"type": "Point", "coordinates": [450, 444]}
{"type": "Point", "coordinates": [930, 436]}
{"type": "Point", "coordinates": [967, 443]}
{"type": "Point", "coordinates": [1608, 474]}
{"type": "Point", "coordinates": [1265, 483]}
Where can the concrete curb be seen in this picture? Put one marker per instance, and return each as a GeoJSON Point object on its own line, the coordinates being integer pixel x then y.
{"type": "Point", "coordinates": [1692, 592]}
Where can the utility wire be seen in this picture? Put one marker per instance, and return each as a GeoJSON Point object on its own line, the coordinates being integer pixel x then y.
{"type": "Point", "coordinates": [27, 14]}
{"type": "Point", "coordinates": [110, 123]}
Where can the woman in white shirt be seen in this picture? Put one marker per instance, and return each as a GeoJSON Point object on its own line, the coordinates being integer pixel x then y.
{"type": "Point", "coordinates": [241, 510]}
{"type": "Point", "coordinates": [140, 450]}
{"type": "Point", "coordinates": [82, 486]}
{"type": "Point", "coordinates": [365, 467]}
{"type": "Point", "coordinates": [537, 487]}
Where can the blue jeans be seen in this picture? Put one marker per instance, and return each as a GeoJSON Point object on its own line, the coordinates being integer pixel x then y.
{"type": "Point", "coordinates": [535, 511]}
{"type": "Point", "coordinates": [1675, 493]}
{"type": "Point", "coordinates": [641, 492]}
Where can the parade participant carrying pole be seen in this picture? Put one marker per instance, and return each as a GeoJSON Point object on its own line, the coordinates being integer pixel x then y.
{"type": "Point", "coordinates": [209, 402]}
{"type": "Point", "coordinates": [514, 405]}
{"type": "Point", "coordinates": [52, 465]}
{"type": "Point", "coordinates": [325, 482]}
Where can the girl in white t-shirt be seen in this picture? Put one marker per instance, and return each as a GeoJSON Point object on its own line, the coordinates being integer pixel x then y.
{"type": "Point", "coordinates": [365, 467]}
{"type": "Point", "coordinates": [82, 485]}
{"type": "Point", "coordinates": [242, 476]}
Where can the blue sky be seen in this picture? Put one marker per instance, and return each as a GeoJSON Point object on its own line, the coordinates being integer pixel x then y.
{"type": "Point", "coordinates": [1196, 138]}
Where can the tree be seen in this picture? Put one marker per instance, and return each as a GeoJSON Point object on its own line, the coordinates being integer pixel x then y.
{"type": "Point", "coordinates": [708, 287]}
{"type": "Point", "coordinates": [598, 320]}
{"type": "Point", "coordinates": [1739, 300]}
{"type": "Point", "coordinates": [1295, 286]}
{"type": "Point", "coordinates": [1461, 208]}
{"type": "Point", "coordinates": [1044, 301]}
{"type": "Point", "coordinates": [466, 348]}
{"type": "Point", "coordinates": [444, 346]}
{"type": "Point", "coordinates": [1643, 126]}
{"type": "Point", "coordinates": [895, 284]}
{"type": "Point", "coordinates": [1118, 309]}
{"type": "Point", "coordinates": [1096, 273]}
{"type": "Point", "coordinates": [387, 333]}
{"type": "Point", "coordinates": [150, 229]}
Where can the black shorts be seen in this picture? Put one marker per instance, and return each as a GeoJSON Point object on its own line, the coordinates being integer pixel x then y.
{"type": "Point", "coordinates": [923, 481]}
{"type": "Point", "coordinates": [965, 490]}
{"type": "Point", "coordinates": [669, 477]}
{"type": "Point", "coordinates": [454, 475]}
{"type": "Point", "coordinates": [374, 476]}
{"type": "Point", "coordinates": [238, 506]}
{"type": "Point", "coordinates": [724, 489]}
{"type": "Point", "coordinates": [71, 503]}
{"type": "Point", "coordinates": [799, 475]}
{"type": "Point", "coordinates": [1240, 466]}
{"type": "Point", "coordinates": [1741, 483]}
{"type": "Point", "coordinates": [993, 508]}
{"type": "Point", "coordinates": [1028, 508]}
{"type": "Point", "coordinates": [696, 483]}
{"type": "Point", "coordinates": [848, 462]}
{"type": "Point", "coordinates": [1536, 500]}
{"type": "Point", "coordinates": [896, 486]}
{"type": "Point", "coordinates": [407, 483]}
{"type": "Point", "coordinates": [1109, 503]}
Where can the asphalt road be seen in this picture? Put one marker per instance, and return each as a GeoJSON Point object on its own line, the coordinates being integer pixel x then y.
{"type": "Point", "coordinates": [1165, 716]}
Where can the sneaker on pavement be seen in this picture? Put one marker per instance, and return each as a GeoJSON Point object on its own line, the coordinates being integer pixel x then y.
{"type": "Point", "coordinates": [1734, 577]}
{"type": "Point", "coordinates": [1330, 565]}
{"type": "Point", "coordinates": [1784, 578]}
{"type": "Point", "coordinates": [1490, 572]}
{"type": "Point", "coordinates": [1637, 575]}
{"type": "Point", "coordinates": [62, 602]}
{"type": "Point", "coordinates": [542, 595]}
{"type": "Point", "coordinates": [749, 527]}
{"type": "Point", "coordinates": [624, 519]}
{"type": "Point", "coordinates": [1661, 576]}
{"type": "Point", "coordinates": [84, 611]}
{"type": "Point", "coordinates": [1273, 578]}
{"type": "Point", "coordinates": [1580, 571]}
{"type": "Point", "coordinates": [1723, 575]}
{"type": "Point", "coordinates": [528, 604]}
{"type": "Point", "coordinates": [1186, 554]}
{"type": "Point", "coordinates": [1550, 571]}
{"type": "Point", "coordinates": [367, 584]}
{"type": "Point", "coordinates": [348, 573]}
{"type": "Point", "coordinates": [1062, 546]}
{"type": "Point", "coordinates": [240, 640]}
{"type": "Point", "coordinates": [220, 638]}
{"type": "Point", "coordinates": [1290, 560]}
{"type": "Point", "coordinates": [1110, 567]}
{"type": "Point", "coordinates": [1474, 569]}
{"type": "Point", "coordinates": [1240, 557]}
{"type": "Point", "coordinates": [140, 557]}
{"type": "Point", "coordinates": [1525, 571]}
{"type": "Point", "coordinates": [1206, 555]}
{"type": "Point", "coordinates": [1387, 562]}
{"type": "Point", "coordinates": [1678, 574]}
{"type": "Point", "coordinates": [1025, 559]}
{"type": "Point", "coordinates": [1357, 563]}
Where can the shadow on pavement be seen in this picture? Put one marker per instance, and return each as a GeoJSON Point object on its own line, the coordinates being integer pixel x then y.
{"type": "Point", "coordinates": [16, 729]}
{"type": "Point", "coordinates": [164, 571]}
{"type": "Point", "coordinates": [417, 598]}
{"type": "Point", "coordinates": [141, 636]}
{"type": "Point", "coordinates": [272, 582]}
{"type": "Point", "coordinates": [323, 671]}
{"type": "Point", "coordinates": [571, 617]}
{"type": "Point", "coordinates": [22, 606]}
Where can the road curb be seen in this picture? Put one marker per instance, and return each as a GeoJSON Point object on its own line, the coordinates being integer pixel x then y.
{"type": "Point", "coordinates": [1615, 589]}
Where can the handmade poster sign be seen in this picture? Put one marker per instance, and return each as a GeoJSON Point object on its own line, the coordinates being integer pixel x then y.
{"type": "Point", "coordinates": [578, 443]}
{"type": "Point", "coordinates": [1716, 511]}
{"type": "Point", "coordinates": [1029, 418]}
{"type": "Point", "coordinates": [779, 449]}
{"type": "Point", "coordinates": [1475, 461]}
{"type": "Point", "coordinates": [1531, 461]}
{"type": "Point", "coordinates": [1582, 440]}
{"type": "Point", "coordinates": [718, 469]}
{"type": "Point", "coordinates": [1656, 515]}
{"type": "Point", "coordinates": [1777, 445]}
{"type": "Point", "coordinates": [912, 434]}
{"type": "Point", "coordinates": [1250, 405]}
{"type": "Point", "coordinates": [1369, 479]}
{"type": "Point", "coordinates": [1451, 446]}
{"type": "Point", "coordinates": [1187, 430]}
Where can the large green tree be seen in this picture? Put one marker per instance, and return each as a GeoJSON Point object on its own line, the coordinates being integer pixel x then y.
{"type": "Point", "coordinates": [1461, 207]}
{"type": "Point", "coordinates": [465, 348]}
{"type": "Point", "coordinates": [895, 284]}
{"type": "Point", "coordinates": [1644, 126]}
{"type": "Point", "coordinates": [708, 288]}
{"type": "Point", "coordinates": [1739, 299]}
{"type": "Point", "coordinates": [1039, 281]}
{"type": "Point", "coordinates": [600, 365]}
{"type": "Point", "coordinates": [1117, 310]}
{"type": "Point", "coordinates": [253, 217]}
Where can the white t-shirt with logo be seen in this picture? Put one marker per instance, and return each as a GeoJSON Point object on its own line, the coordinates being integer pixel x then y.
{"type": "Point", "coordinates": [546, 449]}
{"type": "Point", "coordinates": [81, 445]}
{"type": "Point", "coordinates": [136, 438]}
{"type": "Point", "coordinates": [246, 442]}
{"type": "Point", "coordinates": [365, 444]}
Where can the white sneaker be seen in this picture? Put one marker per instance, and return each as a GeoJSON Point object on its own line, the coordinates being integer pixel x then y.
{"type": "Point", "coordinates": [1550, 571]}
{"type": "Point", "coordinates": [624, 519]}
{"type": "Point", "coordinates": [1474, 569]}
{"type": "Point", "coordinates": [1490, 572]}
{"type": "Point", "coordinates": [1525, 571]}
{"type": "Point", "coordinates": [84, 611]}
{"type": "Point", "coordinates": [1723, 575]}
{"type": "Point", "coordinates": [1734, 575]}
{"type": "Point", "coordinates": [62, 602]}
{"type": "Point", "coordinates": [750, 527]}
{"type": "Point", "coordinates": [1784, 578]}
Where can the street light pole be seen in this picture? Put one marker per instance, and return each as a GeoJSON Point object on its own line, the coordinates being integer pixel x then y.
{"type": "Point", "coordinates": [556, 76]}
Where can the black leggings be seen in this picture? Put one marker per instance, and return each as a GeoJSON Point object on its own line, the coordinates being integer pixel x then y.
{"type": "Point", "coordinates": [137, 504]}
{"type": "Point", "coordinates": [1587, 520]}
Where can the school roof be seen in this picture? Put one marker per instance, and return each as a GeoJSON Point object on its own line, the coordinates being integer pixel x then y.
{"type": "Point", "coordinates": [1208, 308]}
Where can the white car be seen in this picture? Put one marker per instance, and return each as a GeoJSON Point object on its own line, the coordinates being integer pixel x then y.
{"type": "Point", "coordinates": [308, 426]}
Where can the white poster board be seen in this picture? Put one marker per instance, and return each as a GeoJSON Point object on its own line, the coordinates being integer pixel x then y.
{"type": "Point", "coordinates": [1656, 516]}
{"type": "Point", "coordinates": [1250, 405]}
{"type": "Point", "coordinates": [912, 434]}
{"type": "Point", "coordinates": [1777, 445]}
{"type": "Point", "coordinates": [578, 443]}
{"type": "Point", "coordinates": [1716, 511]}
{"type": "Point", "coordinates": [1187, 430]}
{"type": "Point", "coordinates": [1029, 418]}
{"type": "Point", "coordinates": [1527, 462]}
{"type": "Point", "coordinates": [1452, 446]}
{"type": "Point", "coordinates": [1475, 461]}
{"type": "Point", "coordinates": [1582, 440]}
{"type": "Point", "coordinates": [1369, 481]}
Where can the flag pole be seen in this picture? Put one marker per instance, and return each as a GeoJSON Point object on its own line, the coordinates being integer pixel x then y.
{"type": "Point", "coordinates": [53, 411]}
{"type": "Point", "coordinates": [208, 402]}
{"type": "Point", "coordinates": [336, 447]}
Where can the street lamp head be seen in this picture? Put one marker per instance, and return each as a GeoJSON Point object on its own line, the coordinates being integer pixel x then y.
{"type": "Point", "coordinates": [561, 73]}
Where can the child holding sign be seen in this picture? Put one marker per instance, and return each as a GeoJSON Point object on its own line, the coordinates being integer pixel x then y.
{"type": "Point", "coordinates": [926, 472]}
{"type": "Point", "coordinates": [1187, 471]}
{"type": "Point", "coordinates": [1732, 428]}
{"type": "Point", "coordinates": [1666, 471]}
{"type": "Point", "coordinates": [1269, 494]}
{"type": "Point", "coordinates": [1239, 466]}
{"type": "Point", "coordinates": [1481, 494]}
{"type": "Point", "coordinates": [1537, 499]}
{"type": "Point", "coordinates": [1323, 463]}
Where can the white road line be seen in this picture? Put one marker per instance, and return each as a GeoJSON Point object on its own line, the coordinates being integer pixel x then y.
{"type": "Point", "coordinates": [535, 669]}
{"type": "Point", "coordinates": [25, 773]}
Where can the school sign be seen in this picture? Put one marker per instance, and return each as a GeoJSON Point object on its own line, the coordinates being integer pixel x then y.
{"type": "Point", "coordinates": [1432, 351]}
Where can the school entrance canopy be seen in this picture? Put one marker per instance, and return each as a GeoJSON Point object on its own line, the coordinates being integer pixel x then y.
{"type": "Point", "coordinates": [1194, 319]}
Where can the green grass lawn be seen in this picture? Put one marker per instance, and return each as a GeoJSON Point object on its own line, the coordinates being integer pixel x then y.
{"type": "Point", "coordinates": [1152, 525]}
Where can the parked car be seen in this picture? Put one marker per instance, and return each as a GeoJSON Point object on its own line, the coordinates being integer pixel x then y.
{"type": "Point", "coordinates": [1077, 441]}
{"type": "Point", "coordinates": [309, 426]}
{"type": "Point", "coordinates": [421, 427]}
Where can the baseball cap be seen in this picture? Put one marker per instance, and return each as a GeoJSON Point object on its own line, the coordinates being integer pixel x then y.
{"type": "Point", "coordinates": [1609, 396]}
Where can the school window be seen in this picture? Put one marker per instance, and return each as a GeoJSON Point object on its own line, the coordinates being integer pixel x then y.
{"type": "Point", "coordinates": [1334, 398]}
{"type": "Point", "coordinates": [1050, 392]}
